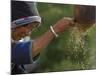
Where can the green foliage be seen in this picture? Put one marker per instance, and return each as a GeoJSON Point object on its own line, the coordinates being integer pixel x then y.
{"type": "Point", "coordinates": [72, 50]}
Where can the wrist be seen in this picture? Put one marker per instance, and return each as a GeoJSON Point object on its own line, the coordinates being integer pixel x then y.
{"type": "Point", "coordinates": [53, 31]}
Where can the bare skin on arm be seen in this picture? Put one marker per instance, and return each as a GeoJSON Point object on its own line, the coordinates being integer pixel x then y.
{"type": "Point", "coordinates": [42, 42]}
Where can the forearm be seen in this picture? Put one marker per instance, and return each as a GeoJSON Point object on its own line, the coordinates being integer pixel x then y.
{"type": "Point", "coordinates": [42, 42]}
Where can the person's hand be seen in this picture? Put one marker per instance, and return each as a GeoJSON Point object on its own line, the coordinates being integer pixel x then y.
{"type": "Point", "coordinates": [63, 24]}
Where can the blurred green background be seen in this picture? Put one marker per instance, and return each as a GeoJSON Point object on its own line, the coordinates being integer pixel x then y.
{"type": "Point", "coordinates": [72, 50]}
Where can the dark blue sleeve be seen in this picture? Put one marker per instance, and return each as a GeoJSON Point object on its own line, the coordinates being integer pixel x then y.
{"type": "Point", "coordinates": [21, 53]}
